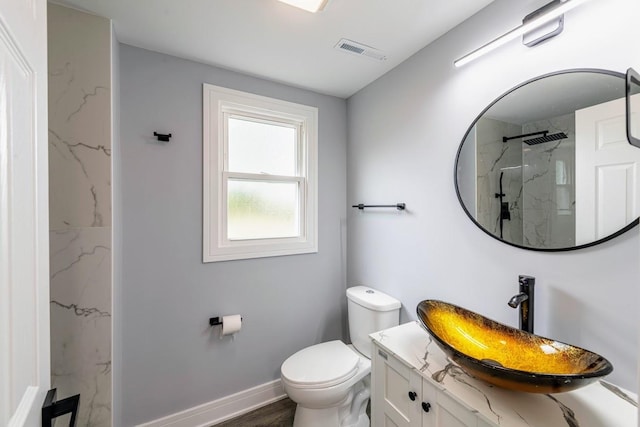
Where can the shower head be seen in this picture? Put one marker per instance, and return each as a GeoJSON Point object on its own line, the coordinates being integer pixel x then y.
{"type": "Point", "coordinates": [546, 138]}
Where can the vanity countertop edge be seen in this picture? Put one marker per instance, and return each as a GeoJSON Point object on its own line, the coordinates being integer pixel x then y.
{"type": "Point", "coordinates": [600, 404]}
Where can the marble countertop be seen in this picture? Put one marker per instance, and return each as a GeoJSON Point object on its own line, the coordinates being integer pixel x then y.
{"type": "Point", "coordinates": [600, 404]}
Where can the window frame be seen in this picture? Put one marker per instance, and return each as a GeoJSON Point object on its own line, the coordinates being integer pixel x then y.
{"type": "Point", "coordinates": [220, 104]}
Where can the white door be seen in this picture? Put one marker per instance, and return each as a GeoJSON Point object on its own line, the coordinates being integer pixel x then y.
{"type": "Point", "coordinates": [607, 172]}
{"type": "Point", "coordinates": [24, 213]}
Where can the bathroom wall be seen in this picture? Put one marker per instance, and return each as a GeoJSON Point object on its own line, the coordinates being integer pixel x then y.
{"type": "Point", "coordinates": [432, 250]}
{"type": "Point", "coordinates": [80, 209]}
{"type": "Point", "coordinates": [171, 359]}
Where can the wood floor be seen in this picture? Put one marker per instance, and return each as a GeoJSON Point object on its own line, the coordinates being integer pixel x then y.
{"type": "Point", "coordinates": [278, 414]}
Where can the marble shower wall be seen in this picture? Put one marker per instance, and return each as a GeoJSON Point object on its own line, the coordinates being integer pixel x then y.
{"type": "Point", "coordinates": [549, 187]}
{"type": "Point", "coordinates": [538, 182]}
{"type": "Point", "coordinates": [80, 209]}
{"type": "Point", "coordinates": [493, 158]}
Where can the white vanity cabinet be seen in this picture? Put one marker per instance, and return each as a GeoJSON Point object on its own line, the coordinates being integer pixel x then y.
{"type": "Point", "coordinates": [405, 360]}
{"type": "Point", "coordinates": [401, 397]}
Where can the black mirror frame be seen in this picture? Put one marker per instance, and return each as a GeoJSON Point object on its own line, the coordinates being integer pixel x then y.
{"type": "Point", "coordinates": [628, 227]}
{"type": "Point", "coordinates": [632, 78]}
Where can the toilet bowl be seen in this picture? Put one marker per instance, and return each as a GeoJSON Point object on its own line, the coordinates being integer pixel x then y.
{"type": "Point", "coordinates": [330, 381]}
{"type": "Point", "coordinates": [324, 380]}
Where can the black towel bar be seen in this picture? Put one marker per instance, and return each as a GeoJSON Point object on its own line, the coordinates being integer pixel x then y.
{"type": "Point", "coordinates": [399, 206]}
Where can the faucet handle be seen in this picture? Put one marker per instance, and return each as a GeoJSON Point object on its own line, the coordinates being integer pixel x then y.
{"type": "Point", "coordinates": [526, 280]}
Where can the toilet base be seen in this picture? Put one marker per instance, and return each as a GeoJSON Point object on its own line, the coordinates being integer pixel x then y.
{"type": "Point", "coordinates": [306, 417]}
{"type": "Point", "coordinates": [351, 412]}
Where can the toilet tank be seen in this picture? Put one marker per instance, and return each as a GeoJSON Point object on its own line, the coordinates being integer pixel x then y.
{"type": "Point", "coordinates": [369, 311]}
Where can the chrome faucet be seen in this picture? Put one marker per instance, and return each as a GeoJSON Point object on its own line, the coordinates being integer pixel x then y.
{"type": "Point", "coordinates": [517, 299]}
{"type": "Point", "coordinates": [525, 300]}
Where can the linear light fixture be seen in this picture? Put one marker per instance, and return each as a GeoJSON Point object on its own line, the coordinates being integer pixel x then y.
{"type": "Point", "coordinates": [519, 31]}
{"type": "Point", "coordinates": [308, 5]}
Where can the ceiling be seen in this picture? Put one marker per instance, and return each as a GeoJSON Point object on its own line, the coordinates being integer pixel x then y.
{"type": "Point", "coordinates": [556, 96]}
{"type": "Point", "coordinates": [272, 40]}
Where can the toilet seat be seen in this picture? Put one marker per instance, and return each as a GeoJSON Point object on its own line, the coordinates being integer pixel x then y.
{"type": "Point", "coordinates": [321, 365]}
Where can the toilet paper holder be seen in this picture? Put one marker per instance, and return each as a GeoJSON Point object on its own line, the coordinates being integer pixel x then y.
{"type": "Point", "coordinates": [214, 321]}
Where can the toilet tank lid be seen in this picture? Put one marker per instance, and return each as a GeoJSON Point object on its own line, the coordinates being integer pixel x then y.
{"type": "Point", "coordinates": [372, 298]}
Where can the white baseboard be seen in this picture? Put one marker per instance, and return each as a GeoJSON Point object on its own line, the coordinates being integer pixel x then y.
{"type": "Point", "coordinates": [223, 409]}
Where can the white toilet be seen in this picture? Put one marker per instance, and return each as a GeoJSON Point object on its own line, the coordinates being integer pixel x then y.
{"type": "Point", "coordinates": [330, 381]}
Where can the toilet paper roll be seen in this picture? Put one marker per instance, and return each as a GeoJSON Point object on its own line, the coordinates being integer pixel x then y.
{"type": "Point", "coordinates": [231, 324]}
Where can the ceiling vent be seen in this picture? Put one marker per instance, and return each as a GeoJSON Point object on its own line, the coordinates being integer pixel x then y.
{"type": "Point", "coordinates": [360, 49]}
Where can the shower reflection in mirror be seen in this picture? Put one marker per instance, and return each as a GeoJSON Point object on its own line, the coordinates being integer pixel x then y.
{"type": "Point", "coordinates": [529, 169]}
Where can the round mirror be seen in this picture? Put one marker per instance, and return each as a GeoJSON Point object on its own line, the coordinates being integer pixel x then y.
{"type": "Point", "coordinates": [547, 166]}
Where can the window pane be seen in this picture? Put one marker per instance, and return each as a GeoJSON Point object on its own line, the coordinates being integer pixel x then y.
{"type": "Point", "coordinates": [256, 147]}
{"type": "Point", "coordinates": [262, 210]}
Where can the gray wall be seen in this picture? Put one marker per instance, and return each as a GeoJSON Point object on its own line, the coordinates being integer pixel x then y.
{"type": "Point", "coordinates": [404, 130]}
{"type": "Point", "coordinates": [171, 360]}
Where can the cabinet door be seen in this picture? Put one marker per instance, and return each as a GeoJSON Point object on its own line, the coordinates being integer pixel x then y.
{"type": "Point", "coordinates": [396, 393]}
{"type": "Point", "coordinates": [483, 423]}
{"type": "Point", "coordinates": [444, 411]}
{"type": "Point", "coordinates": [400, 397]}
{"type": "Point", "coordinates": [429, 405]}
{"type": "Point", "coordinates": [452, 414]}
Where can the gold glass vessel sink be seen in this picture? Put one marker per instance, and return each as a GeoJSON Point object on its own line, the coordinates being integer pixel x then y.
{"type": "Point", "coordinates": [508, 357]}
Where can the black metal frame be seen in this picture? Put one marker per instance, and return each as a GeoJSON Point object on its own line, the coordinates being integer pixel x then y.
{"type": "Point", "coordinates": [524, 135]}
{"type": "Point", "coordinates": [52, 409]}
{"type": "Point", "coordinates": [466, 134]}
{"type": "Point", "coordinates": [633, 78]}
{"type": "Point", "coordinates": [399, 206]}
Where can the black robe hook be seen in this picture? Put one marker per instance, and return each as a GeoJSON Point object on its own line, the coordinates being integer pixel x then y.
{"type": "Point", "coordinates": [162, 137]}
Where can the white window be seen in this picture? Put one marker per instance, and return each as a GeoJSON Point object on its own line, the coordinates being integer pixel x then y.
{"type": "Point", "coordinates": [259, 176]}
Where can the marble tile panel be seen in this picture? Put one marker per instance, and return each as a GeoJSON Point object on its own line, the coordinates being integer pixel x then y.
{"type": "Point", "coordinates": [81, 320]}
{"type": "Point", "coordinates": [79, 119]}
{"type": "Point", "coordinates": [496, 158]}
{"type": "Point", "coordinates": [548, 197]}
